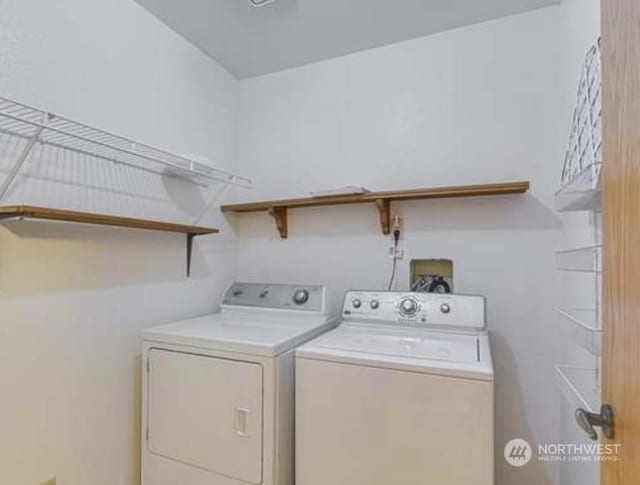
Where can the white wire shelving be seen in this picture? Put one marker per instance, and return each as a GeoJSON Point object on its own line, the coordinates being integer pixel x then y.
{"type": "Point", "coordinates": [582, 192]}
{"type": "Point", "coordinates": [580, 387]}
{"type": "Point", "coordinates": [585, 140]}
{"type": "Point", "coordinates": [584, 328]}
{"type": "Point", "coordinates": [587, 259]}
{"type": "Point", "coordinates": [34, 129]}
{"type": "Point", "coordinates": [37, 126]}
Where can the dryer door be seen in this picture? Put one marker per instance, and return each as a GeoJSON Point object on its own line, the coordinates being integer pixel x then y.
{"type": "Point", "coordinates": [206, 412]}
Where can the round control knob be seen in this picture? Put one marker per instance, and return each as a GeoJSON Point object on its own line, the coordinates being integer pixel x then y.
{"type": "Point", "coordinates": [445, 308]}
{"type": "Point", "coordinates": [408, 306]}
{"type": "Point", "coordinates": [356, 303]}
{"type": "Point", "coordinates": [301, 296]}
{"type": "Point", "coordinates": [374, 304]}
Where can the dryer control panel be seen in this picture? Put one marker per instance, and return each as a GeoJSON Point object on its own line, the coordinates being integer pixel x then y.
{"type": "Point", "coordinates": [310, 298]}
{"type": "Point", "coordinates": [417, 309]}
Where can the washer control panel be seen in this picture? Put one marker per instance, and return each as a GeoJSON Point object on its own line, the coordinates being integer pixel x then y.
{"type": "Point", "coordinates": [420, 309]}
{"type": "Point", "coordinates": [276, 296]}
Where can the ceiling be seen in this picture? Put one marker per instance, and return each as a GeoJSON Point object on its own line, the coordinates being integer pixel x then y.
{"type": "Point", "coordinates": [251, 41]}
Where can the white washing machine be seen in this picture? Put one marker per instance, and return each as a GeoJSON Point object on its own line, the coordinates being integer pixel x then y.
{"type": "Point", "coordinates": [218, 390]}
{"type": "Point", "coordinates": [401, 393]}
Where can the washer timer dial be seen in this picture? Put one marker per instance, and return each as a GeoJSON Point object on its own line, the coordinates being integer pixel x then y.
{"type": "Point", "coordinates": [409, 306]}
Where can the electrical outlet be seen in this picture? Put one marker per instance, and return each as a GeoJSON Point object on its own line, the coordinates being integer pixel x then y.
{"type": "Point", "coordinates": [395, 249]}
{"type": "Point", "coordinates": [397, 224]}
{"type": "Point", "coordinates": [396, 252]}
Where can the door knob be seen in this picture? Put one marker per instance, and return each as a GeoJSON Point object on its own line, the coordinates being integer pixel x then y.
{"type": "Point", "coordinates": [589, 421]}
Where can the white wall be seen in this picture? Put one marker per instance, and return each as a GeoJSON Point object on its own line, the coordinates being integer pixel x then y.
{"type": "Point", "coordinates": [73, 299]}
{"type": "Point", "coordinates": [486, 103]}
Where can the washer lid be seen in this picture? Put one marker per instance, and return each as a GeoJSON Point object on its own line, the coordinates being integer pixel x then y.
{"type": "Point", "coordinates": [248, 333]}
{"type": "Point", "coordinates": [418, 350]}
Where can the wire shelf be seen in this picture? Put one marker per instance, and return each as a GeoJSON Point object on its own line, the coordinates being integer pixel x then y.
{"type": "Point", "coordinates": [580, 387]}
{"type": "Point", "coordinates": [584, 260]}
{"type": "Point", "coordinates": [40, 127]}
{"type": "Point", "coordinates": [582, 192]}
{"type": "Point", "coordinates": [585, 141]}
{"type": "Point", "coordinates": [584, 328]}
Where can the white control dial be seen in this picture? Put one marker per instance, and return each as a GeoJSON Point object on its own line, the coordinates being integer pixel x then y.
{"type": "Point", "coordinates": [374, 304]}
{"type": "Point", "coordinates": [408, 306]}
{"type": "Point", "coordinates": [356, 303]}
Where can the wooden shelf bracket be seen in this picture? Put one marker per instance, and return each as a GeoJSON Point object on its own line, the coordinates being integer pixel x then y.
{"type": "Point", "coordinates": [280, 216]}
{"type": "Point", "coordinates": [384, 206]}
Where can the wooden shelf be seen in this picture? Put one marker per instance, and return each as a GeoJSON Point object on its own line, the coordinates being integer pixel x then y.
{"type": "Point", "coordinates": [278, 208]}
{"type": "Point", "coordinates": [50, 214]}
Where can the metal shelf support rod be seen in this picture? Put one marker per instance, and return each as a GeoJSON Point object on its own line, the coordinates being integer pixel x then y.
{"type": "Point", "coordinates": [20, 161]}
{"type": "Point", "coordinates": [214, 198]}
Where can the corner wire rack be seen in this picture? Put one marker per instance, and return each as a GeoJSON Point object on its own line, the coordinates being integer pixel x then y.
{"type": "Point", "coordinates": [585, 140]}
{"type": "Point", "coordinates": [581, 190]}
{"type": "Point", "coordinates": [587, 259]}
{"type": "Point", "coordinates": [582, 170]}
{"type": "Point", "coordinates": [584, 328]}
{"type": "Point", "coordinates": [36, 126]}
{"type": "Point", "coordinates": [579, 386]}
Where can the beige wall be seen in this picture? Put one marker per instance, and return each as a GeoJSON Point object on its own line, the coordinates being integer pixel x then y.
{"type": "Point", "coordinates": [73, 299]}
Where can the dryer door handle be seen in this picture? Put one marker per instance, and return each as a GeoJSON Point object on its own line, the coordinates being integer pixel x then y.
{"type": "Point", "coordinates": [241, 421]}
